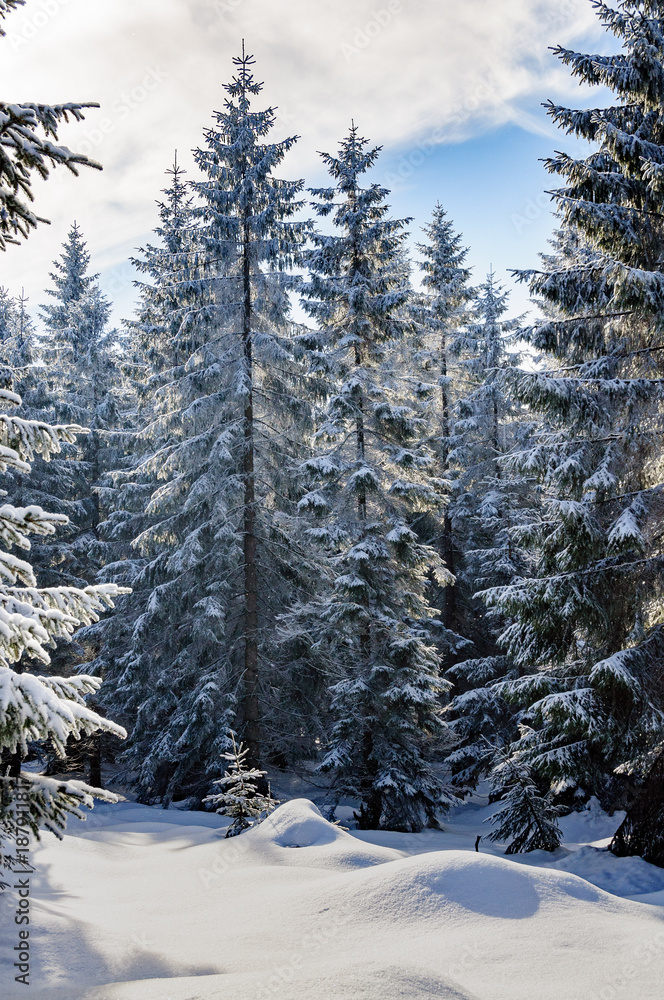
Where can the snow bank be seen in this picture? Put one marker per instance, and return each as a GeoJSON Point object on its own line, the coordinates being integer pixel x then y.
{"type": "Point", "coordinates": [621, 876]}
{"type": "Point", "coordinates": [299, 909]}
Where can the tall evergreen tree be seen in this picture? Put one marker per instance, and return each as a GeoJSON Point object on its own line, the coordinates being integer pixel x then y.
{"type": "Point", "coordinates": [586, 632]}
{"type": "Point", "coordinates": [370, 478]}
{"type": "Point", "coordinates": [490, 505]}
{"type": "Point", "coordinates": [226, 420]}
{"type": "Point", "coordinates": [168, 692]}
{"type": "Point", "coordinates": [74, 379]}
{"type": "Point", "coordinates": [247, 221]}
{"type": "Point", "coordinates": [440, 311]}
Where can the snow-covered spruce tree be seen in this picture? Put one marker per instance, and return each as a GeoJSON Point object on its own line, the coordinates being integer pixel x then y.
{"type": "Point", "coordinates": [32, 707]}
{"type": "Point", "coordinates": [17, 335]}
{"type": "Point", "coordinates": [7, 315]}
{"type": "Point", "coordinates": [586, 633]}
{"type": "Point", "coordinates": [439, 311]}
{"type": "Point", "coordinates": [162, 682]}
{"type": "Point", "coordinates": [30, 146]}
{"type": "Point", "coordinates": [526, 818]}
{"type": "Point", "coordinates": [170, 284]}
{"type": "Point", "coordinates": [220, 546]}
{"type": "Point", "coordinates": [86, 386]}
{"type": "Point", "coordinates": [370, 478]}
{"type": "Point", "coordinates": [247, 220]}
{"type": "Point", "coordinates": [490, 503]}
{"type": "Point", "coordinates": [84, 382]}
{"type": "Point", "coordinates": [240, 798]}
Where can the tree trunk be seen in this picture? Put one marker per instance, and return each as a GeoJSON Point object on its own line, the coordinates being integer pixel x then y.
{"type": "Point", "coordinates": [359, 437]}
{"type": "Point", "coordinates": [445, 401]}
{"type": "Point", "coordinates": [495, 435]}
{"type": "Point", "coordinates": [450, 610]}
{"type": "Point", "coordinates": [11, 763]}
{"type": "Point", "coordinates": [251, 719]}
{"type": "Point", "coordinates": [447, 546]}
{"type": "Point", "coordinates": [642, 831]}
{"type": "Point", "coordinates": [94, 760]}
{"type": "Point", "coordinates": [370, 805]}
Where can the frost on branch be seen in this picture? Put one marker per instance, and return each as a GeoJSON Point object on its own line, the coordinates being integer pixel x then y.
{"type": "Point", "coordinates": [29, 146]}
{"type": "Point", "coordinates": [50, 802]}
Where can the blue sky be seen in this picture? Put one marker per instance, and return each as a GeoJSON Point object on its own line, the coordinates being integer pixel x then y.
{"type": "Point", "coordinates": [492, 187]}
{"type": "Point", "coordinates": [452, 91]}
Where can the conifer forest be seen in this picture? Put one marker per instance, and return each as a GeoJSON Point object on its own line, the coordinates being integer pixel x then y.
{"type": "Point", "coordinates": [324, 546]}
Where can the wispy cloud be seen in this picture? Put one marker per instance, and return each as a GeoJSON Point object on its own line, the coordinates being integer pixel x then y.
{"type": "Point", "coordinates": [403, 69]}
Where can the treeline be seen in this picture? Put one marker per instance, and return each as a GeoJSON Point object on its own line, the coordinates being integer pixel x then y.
{"type": "Point", "coordinates": [383, 542]}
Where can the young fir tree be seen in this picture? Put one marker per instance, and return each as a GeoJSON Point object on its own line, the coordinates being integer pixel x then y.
{"type": "Point", "coordinates": [586, 632]}
{"type": "Point", "coordinates": [240, 798]}
{"type": "Point", "coordinates": [227, 418]}
{"type": "Point", "coordinates": [526, 818]}
{"type": "Point", "coordinates": [370, 478]}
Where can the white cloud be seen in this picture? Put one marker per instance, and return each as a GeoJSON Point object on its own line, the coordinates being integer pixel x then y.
{"type": "Point", "coordinates": [402, 69]}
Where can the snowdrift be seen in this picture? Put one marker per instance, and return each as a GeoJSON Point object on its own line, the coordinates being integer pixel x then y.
{"type": "Point", "coordinates": [144, 904]}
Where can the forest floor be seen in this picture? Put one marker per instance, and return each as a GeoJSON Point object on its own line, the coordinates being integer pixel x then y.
{"type": "Point", "coordinates": [139, 903]}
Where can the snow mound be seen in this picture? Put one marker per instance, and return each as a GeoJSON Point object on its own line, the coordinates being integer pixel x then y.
{"type": "Point", "coordinates": [298, 824]}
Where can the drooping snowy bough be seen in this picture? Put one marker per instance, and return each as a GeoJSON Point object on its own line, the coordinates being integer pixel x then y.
{"type": "Point", "coordinates": [29, 146]}
{"type": "Point", "coordinates": [36, 708]}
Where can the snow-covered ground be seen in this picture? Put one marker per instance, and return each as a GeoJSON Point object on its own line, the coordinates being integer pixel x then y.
{"type": "Point", "coordinates": [145, 904]}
